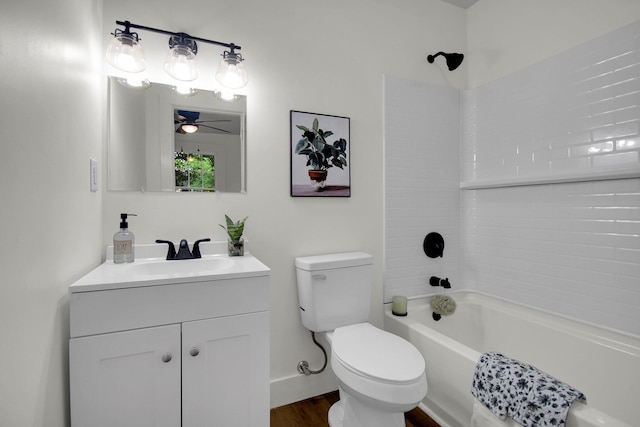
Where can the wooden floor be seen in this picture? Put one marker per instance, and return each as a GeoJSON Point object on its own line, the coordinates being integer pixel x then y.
{"type": "Point", "coordinates": [313, 412]}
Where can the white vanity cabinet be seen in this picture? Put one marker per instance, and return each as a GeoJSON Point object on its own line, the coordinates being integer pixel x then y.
{"type": "Point", "coordinates": [190, 351]}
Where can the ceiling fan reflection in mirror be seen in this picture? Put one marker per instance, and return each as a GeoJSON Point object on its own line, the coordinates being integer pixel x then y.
{"type": "Point", "coordinates": [190, 122]}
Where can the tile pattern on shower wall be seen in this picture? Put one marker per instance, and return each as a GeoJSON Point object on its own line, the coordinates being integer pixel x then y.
{"type": "Point", "coordinates": [573, 249]}
{"type": "Point", "coordinates": [421, 139]}
{"type": "Point", "coordinates": [575, 113]}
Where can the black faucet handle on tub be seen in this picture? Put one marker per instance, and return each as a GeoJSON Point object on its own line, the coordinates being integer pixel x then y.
{"type": "Point", "coordinates": [436, 281]}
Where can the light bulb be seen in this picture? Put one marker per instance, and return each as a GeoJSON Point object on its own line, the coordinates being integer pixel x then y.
{"type": "Point", "coordinates": [134, 82]}
{"type": "Point", "coordinates": [181, 64]}
{"type": "Point", "coordinates": [231, 72]}
{"type": "Point", "coordinates": [227, 95]}
{"type": "Point", "coordinates": [184, 90]}
{"type": "Point", "coordinates": [190, 128]}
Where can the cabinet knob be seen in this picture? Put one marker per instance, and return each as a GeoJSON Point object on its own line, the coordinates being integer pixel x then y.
{"type": "Point", "coordinates": [166, 358]}
{"type": "Point", "coordinates": [194, 351]}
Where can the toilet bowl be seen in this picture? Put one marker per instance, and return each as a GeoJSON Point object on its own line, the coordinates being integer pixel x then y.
{"type": "Point", "coordinates": [380, 375]}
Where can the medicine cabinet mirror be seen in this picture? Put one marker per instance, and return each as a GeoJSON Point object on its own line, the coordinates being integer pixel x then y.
{"type": "Point", "coordinates": [150, 150]}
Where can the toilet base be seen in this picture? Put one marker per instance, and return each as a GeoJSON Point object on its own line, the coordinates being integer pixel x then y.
{"type": "Point", "coordinates": [349, 412]}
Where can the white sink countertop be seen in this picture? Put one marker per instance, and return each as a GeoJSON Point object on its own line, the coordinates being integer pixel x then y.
{"type": "Point", "coordinates": [151, 268]}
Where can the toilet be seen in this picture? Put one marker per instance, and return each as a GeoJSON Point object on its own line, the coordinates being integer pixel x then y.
{"type": "Point", "coordinates": [380, 375]}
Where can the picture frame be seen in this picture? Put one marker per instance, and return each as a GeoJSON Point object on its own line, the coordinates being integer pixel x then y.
{"type": "Point", "coordinates": [320, 157]}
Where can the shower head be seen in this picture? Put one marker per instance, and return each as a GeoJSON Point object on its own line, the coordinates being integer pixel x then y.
{"type": "Point", "coordinates": [453, 59]}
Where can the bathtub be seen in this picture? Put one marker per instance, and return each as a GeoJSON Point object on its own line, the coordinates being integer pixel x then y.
{"type": "Point", "coordinates": [603, 364]}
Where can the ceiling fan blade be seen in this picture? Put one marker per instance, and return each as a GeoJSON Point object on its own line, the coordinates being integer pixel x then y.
{"type": "Point", "coordinates": [211, 121]}
{"type": "Point", "coordinates": [214, 128]}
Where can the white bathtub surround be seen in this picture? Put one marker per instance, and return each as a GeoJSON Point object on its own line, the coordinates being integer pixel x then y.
{"type": "Point", "coordinates": [575, 116]}
{"type": "Point", "coordinates": [573, 247]}
{"type": "Point", "coordinates": [603, 364]}
{"type": "Point", "coordinates": [421, 140]}
{"type": "Point", "coordinates": [568, 247]}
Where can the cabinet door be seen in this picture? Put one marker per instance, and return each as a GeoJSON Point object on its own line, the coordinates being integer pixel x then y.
{"type": "Point", "coordinates": [225, 372]}
{"type": "Point", "coordinates": [126, 379]}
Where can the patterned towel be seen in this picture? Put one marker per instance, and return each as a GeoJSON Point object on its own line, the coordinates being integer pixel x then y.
{"type": "Point", "coordinates": [510, 388]}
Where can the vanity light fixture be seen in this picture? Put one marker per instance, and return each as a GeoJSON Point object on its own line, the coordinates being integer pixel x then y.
{"type": "Point", "coordinates": [453, 59]}
{"type": "Point", "coordinates": [125, 53]}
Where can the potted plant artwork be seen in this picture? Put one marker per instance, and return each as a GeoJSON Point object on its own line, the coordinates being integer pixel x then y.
{"type": "Point", "coordinates": [321, 154]}
{"type": "Point", "coordinates": [234, 231]}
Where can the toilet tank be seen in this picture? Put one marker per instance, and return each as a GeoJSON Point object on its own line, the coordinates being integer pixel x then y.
{"type": "Point", "coordinates": [334, 289]}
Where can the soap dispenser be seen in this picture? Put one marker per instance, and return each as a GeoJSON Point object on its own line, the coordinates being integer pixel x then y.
{"type": "Point", "coordinates": [123, 242]}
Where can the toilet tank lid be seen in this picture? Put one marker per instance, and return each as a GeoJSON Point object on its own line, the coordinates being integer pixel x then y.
{"type": "Point", "coordinates": [330, 261]}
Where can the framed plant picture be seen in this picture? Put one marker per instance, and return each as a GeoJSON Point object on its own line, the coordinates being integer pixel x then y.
{"type": "Point", "coordinates": [320, 158]}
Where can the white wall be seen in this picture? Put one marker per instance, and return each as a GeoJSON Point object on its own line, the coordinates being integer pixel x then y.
{"type": "Point", "coordinates": [51, 108]}
{"type": "Point", "coordinates": [506, 36]}
{"type": "Point", "coordinates": [323, 57]}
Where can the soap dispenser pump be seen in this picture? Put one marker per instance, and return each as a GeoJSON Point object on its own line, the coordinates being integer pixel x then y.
{"type": "Point", "coordinates": [123, 241]}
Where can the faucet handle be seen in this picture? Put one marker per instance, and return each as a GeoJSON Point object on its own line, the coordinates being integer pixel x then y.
{"type": "Point", "coordinates": [171, 254]}
{"type": "Point", "coordinates": [196, 247]}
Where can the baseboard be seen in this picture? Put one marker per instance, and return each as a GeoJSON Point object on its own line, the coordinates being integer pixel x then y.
{"type": "Point", "coordinates": [298, 387]}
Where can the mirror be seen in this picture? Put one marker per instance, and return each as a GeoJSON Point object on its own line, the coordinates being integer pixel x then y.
{"type": "Point", "coordinates": [151, 147]}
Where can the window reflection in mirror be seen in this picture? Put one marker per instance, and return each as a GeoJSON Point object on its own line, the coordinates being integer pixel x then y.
{"type": "Point", "coordinates": [152, 139]}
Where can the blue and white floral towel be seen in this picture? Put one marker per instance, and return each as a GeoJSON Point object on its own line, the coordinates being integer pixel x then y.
{"type": "Point", "coordinates": [510, 388]}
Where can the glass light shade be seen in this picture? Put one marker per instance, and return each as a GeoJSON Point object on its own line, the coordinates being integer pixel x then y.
{"type": "Point", "coordinates": [231, 73]}
{"type": "Point", "coordinates": [189, 128]}
{"type": "Point", "coordinates": [126, 53]}
{"type": "Point", "coordinates": [181, 64]}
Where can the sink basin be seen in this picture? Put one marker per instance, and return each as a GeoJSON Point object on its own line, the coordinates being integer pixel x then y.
{"type": "Point", "coordinates": [186, 267]}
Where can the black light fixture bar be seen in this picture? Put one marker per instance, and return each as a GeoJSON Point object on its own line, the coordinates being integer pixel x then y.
{"type": "Point", "coordinates": [128, 25]}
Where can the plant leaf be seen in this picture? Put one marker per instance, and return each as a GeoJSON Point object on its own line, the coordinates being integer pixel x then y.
{"type": "Point", "coordinates": [301, 145]}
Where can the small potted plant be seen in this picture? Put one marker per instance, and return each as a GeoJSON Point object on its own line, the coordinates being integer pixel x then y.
{"type": "Point", "coordinates": [321, 155]}
{"type": "Point", "coordinates": [234, 231]}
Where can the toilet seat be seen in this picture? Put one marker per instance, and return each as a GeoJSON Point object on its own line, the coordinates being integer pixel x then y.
{"type": "Point", "coordinates": [377, 355]}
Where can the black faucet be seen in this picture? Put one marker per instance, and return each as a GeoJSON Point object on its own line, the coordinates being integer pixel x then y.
{"type": "Point", "coordinates": [183, 250]}
{"type": "Point", "coordinates": [436, 281]}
